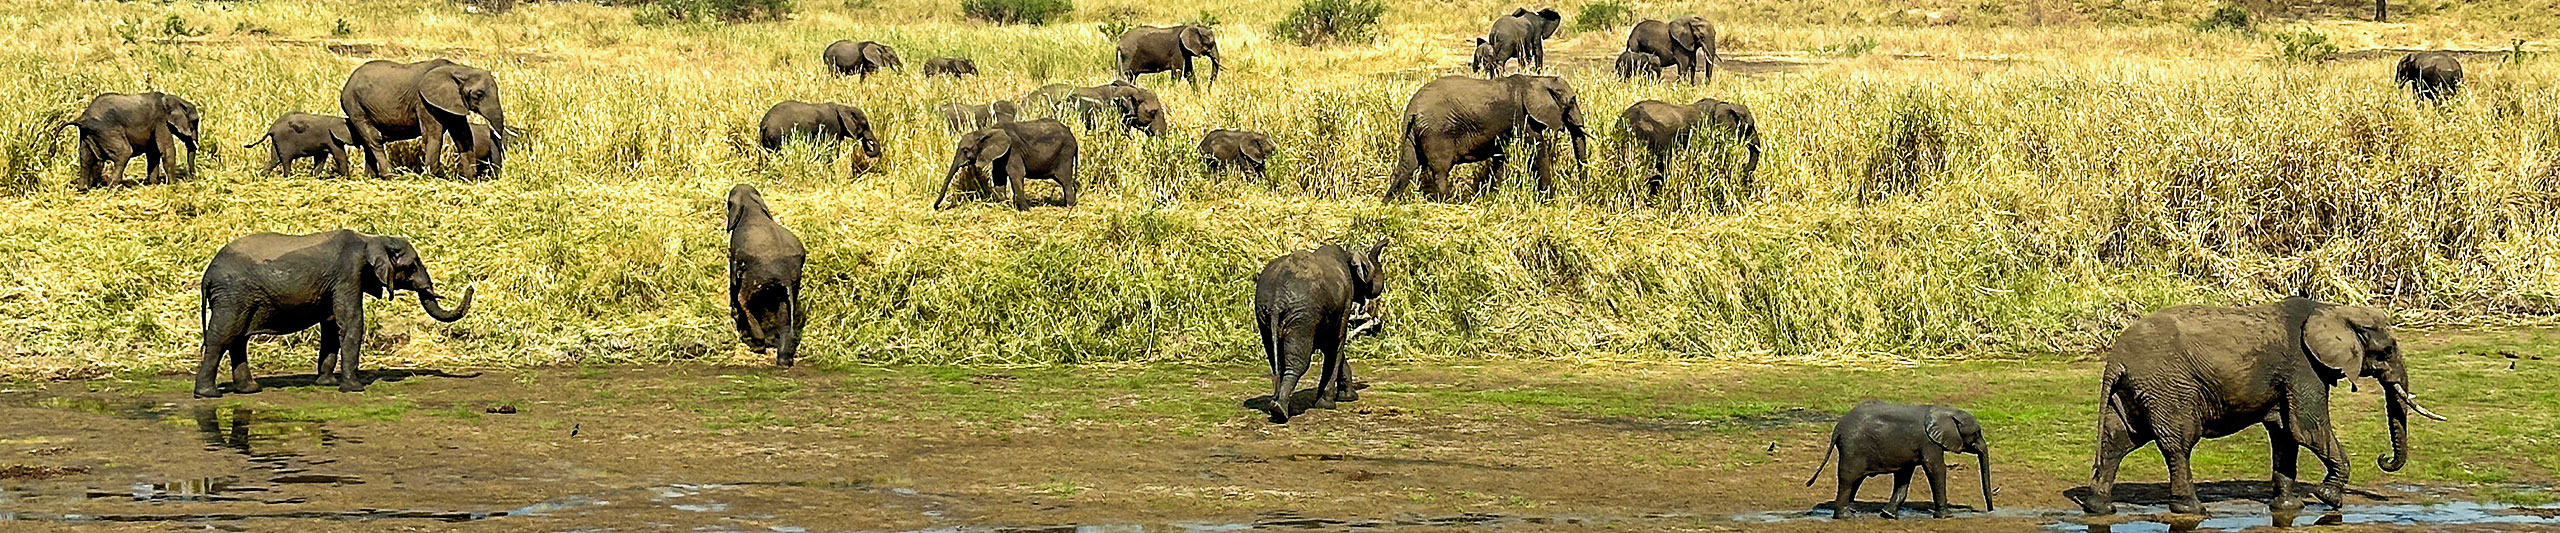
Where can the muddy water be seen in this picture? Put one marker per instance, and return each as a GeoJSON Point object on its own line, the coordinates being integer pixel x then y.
{"type": "Point", "coordinates": [2238, 516]}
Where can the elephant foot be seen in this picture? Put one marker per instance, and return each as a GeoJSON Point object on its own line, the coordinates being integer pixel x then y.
{"type": "Point", "coordinates": [1346, 395]}
{"type": "Point", "coordinates": [2186, 506]}
{"type": "Point", "coordinates": [1279, 417]}
{"type": "Point", "coordinates": [207, 392]}
{"type": "Point", "coordinates": [783, 360]}
{"type": "Point", "coordinates": [325, 380]}
{"type": "Point", "coordinates": [351, 385]}
{"type": "Point", "coordinates": [2330, 494]}
{"type": "Point", "coordinates": [2098, 508]}
{"type": "Point", "coordinates": [245, 386]}
{"type": "Point", "coordinates": [2285, 504]}
{"type": "Point", "coordinates": [1323, 402]}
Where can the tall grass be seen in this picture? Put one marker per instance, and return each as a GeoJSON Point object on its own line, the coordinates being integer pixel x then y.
{"type": "Point", "coordinates": [1902, 211]}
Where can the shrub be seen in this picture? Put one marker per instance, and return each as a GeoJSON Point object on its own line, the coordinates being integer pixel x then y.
{"type": "Point", "coordinates": [2305, 46]}
{"type": "Point", "coordinates": [1016, 11]}
{"type": "Point", "coordinates": [1324, 21]}
{"type": "Point", "coordinates": [342, 29]}
{"type": "Point", "coordinates": [1204, 18]}
{"type": "Point", "coordinates": [1852, 48]}
{"type": "Point", "coordinates": [1112, 30]}
{"type": "Point", "coordinates": [2228, 17]}
{"type": "Point", "coordinates": [1602, 14]}
{"type": "Point", "coordinates": [671, 11]}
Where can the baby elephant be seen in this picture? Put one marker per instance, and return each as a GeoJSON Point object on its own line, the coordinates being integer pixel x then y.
{"type": "Point", "coordinates": [485, 156]}
{"type": "Point", "coordinates": [961, 117]}
{"type": "Point", "coordinates": [1485, 60]}
{"type": "Point", "coordinates": [1005, 154]}
{"type": "Point", "coordinates": [1313, 301]}
{"type": "Point", "coordinates": [1238, 149]}
{"type": "Point", "coordinates": [950, 66]}
{"type": "Point", "coordinates": [1878, 438]}
{"type": "Point", "coordinates": [1632, 64]}
{"type": "Point", "coordinates": [321, 138]}
{"type": "Point", "coordinates": [764, 276]}
{"type": "Point", "coordinates": [118, 126]}
{"type": "Point", "coordinates": [2433, 75]}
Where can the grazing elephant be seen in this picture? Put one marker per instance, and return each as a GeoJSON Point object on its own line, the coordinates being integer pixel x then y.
{"type": "Point", "coordinates": [1138, 108]}
{"type": "Point", "coordinates": [1884, 438]}
{"type": "Point", "coordinates": [1632, 64]}
{"type": "Point", "coordinates": [2433, 75]}
{"type": "Point", "coordinates": [1152, 49]}
{"type": "Point", "coordinates": [1486, 60]}
{"type": "Point", "coordinates": [2189, 373]}
{"type": "Point", "coordinates": [321, 138]}
{"type": "Point", "coordinates": [1238, 149]}
{"type": "Point", "coordinates": [1689, 43]}
{"type": "Point", "coordinates": [271, 284]}
{"type": "Point", "coordinates": [1663, 127]}
{"type": "Point", "coordinates": [964, 117]}
{"type": "Point", "coordinates": [827, 122]}
{"type": "Point", "coordinates": [950, 66]}
{"type": "Point", "coordinates": [764, 276]}
{"type": "Point", "coordinates": [431, 101]}
{"type": "Point", "coordinates": [1306, 302]}
{"type": "Point", "coordinates": [485, 156]}
{"type": "Point", "coordinates": [1523, 35]}
{"type": "Point", "coordinates": [1007, 154]}
{"type": "Point", "coordinates": [1050, 101]}
{"type": "Point", "coordinates": [1457, 119]}
{"type": "Point", "coordinates": [118, 126]}
{"type": "Point", "coordinates": [860, 59]}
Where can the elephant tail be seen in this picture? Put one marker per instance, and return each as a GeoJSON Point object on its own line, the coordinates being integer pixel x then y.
{"type": "Point", "coordinates": [1826, 463]}
{"type": "Point", "coordinates": [261, 140]}
{"type": "Point", "coordinates": [1408, 156]}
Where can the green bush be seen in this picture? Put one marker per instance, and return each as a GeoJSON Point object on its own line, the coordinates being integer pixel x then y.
{"type": "Point", "coordinates": [1016, 11]}
{"type": "Point", "coordinates": [2228, 17]}
{"type": "Point", "coordinates": [672, 11]}
{"type": "Point", "coordinates": [342, 29]}
{"type": "Point", "coordinates": [1602, 14]}
{"type": "Point", "coordinates": [1328, 21]}
{"type": "Point", "coordinates": [1204, 18]}
{"type": "Point", "coordinates": [2306, 46]}
{"type": "Point", "coordinates": [176, 26]}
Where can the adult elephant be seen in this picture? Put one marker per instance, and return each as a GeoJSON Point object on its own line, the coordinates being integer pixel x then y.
{"type": "Point", "coordinates": [824, 122]}
{"type": "Point", "coordinates": [1457, 119]}
{"type": "Point", "coordinates": [2433, 75]}
{"type": "Point", "coordinates": [1686, 42]}
{"type": "Point", "coordinates": [1663, 127]}
{"type": "Point", "coordinates": [1004, 155]}
{"type": "Point", "coordinates": [1137, 108]}
{"type": "Point", "coordinates": [272, 284]}
{"type": "Point", "coordinates": [950, 66]}
{"type": "Point", "coordinates": [295, 136]}
{"type": "Point", "coordinates": [116, 126]}
{"type": "Point", "coordinates": [1152, 49]}
{"type": "Point", "coordinates": [431, 101]}
{"type": "Point", "coordinates": [1523, 35]}
{"type": "Point", "coordinates": [1312, 301]}
{"type": "Point", "coordinates": [1051, 99]}
{"type": "Point", "coordinates": [860, 59]}
{"type": "Point", "coordinates": [2188, 373]}
{"type": "Point", "coordinates": [765, 259]}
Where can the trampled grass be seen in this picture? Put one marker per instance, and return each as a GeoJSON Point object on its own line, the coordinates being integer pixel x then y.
{"type": "Point", "coordinates": [1970, 190]}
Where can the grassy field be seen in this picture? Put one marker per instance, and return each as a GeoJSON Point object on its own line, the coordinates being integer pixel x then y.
{"type": "Point", "coordinates": [1977, 183]}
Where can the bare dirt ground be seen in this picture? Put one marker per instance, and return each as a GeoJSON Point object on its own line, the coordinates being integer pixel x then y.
{"type": "Point", "coordinates": [1503, 445]}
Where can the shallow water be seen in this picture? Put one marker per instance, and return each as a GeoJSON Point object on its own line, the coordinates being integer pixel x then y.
{"type": "Point", "coordinates": [2449, 513]}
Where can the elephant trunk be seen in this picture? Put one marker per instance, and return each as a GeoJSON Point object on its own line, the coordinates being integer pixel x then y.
{"type": "Point", "coordinates": [959, 162]}
{"type": "Point", "coordinates": [1580, 153]}
{"type": "Point", "coordinates": [433, 303]}
{"type": "Point", "coordinates": [1215, 68]}
{"type": "Point", "coordinates": [1983, 458]}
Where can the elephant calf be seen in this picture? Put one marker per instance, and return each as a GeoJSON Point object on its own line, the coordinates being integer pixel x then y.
{"type": "Point", "coordinates": [2433, 75]}
{"type": "Point", "coordinates": [117, 126]}
{"type": "Point", "coordinates": [961, 117]}
{"type": "Point", "coordinates": [764, 276]}
{"type": "Point", "coordinates": [1884, 438]}
{"type": "Point", "coordinates": [1307, 302]}
{"type": "Point", "coordinates": [1486, 60]}
{"type": "Point", "coordinates": [321, 138]}
{"type": "Point", "coordinates": [271, 284]}
{"type": "Point", "coordinates": [1633, 64]}
{"type": "Point", "coordinates": [1004, 155]}
{"type": "Point", "coordinates": [1238, 149]}
{"type": "Point", "coordinates": [860, 59]}
{"type": "Point", "coordinates": [950, 66]}
{"type": "Point", "coordinates": [1663, 127]}
{"type": "Point", "coordinates": [827, 122]}
{"type": "Point", "coordinates": [1136, 108]}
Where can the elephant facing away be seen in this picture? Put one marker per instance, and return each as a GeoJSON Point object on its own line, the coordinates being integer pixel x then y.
{"type": "Point", "coordinates": [1238, 149]}
{"type": "Point", "coordinates": [1307, 302]}
{"type": "Point", "coordinates": [321, 138]}
{"type": "Point", "coordinates": [950, 66]}
{"type": "Point", "coordinates": [1633, 64]}
{"type": "Point", "coordinates": [1456, 119]}
{"type": "Point", "coordinates": [1663, 127]}
{"type": "Point", "coordinates": [1152, 49]}
{"type": "Point", "coordinates": [961, 117]}
{"type": "Point", "coordinates": [860, 59]}
{"type": "Point", "coordinates": [1687, 42]}
{"type": "Point", "coordinates": [823, 122]}
{"type": "Point", "coordinates": [764, 276]}
{"type": "Point", "coordinates": [431, 101]}
{"type": "Point", "coordinates": [271, 284]}
{"type": "Point", "coordinates": [2187, 373]}
{"type": "Point", "coordinates": [1485, 59]}
{"type": "Point", "coordinates": [2434, 76]}
{"type": "Point", "coordinates": [1004, 155]}
{"type": "Point", "coordinates": [1136, 108]}
{"type": "Point", "coordinates": [116, 126]}
{"type": "Point", "coordinates": [1883, 438]}
{"type": "Point", "coordinates": [1523, 35]}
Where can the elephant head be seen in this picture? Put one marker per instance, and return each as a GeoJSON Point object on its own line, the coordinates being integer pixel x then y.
{"type": "Point", "coordinates": [1549, 103]}
{"type": "Point", "coordinates": [1543, 22]}
{"type": "Point", "coordinates": [855, 124]}
{"type": "Point", "coordinates": [883, 56]}
{"type": "Point", "coordinates": [978, 153]}
{"type": "Point", "coordinates": [1954, 430]}
{"type": "Point", "coordinates": [2346, 342]}
{"type": "Point", "coordinates": [1200, 41]}
{"type": "Point", "coordinates": [181, 119]}
{"type": "Point", "coordinates": [392, 264]}
{"type": "Point", "coordinates": [1692, 33]}
{"type": "Point", "coordinates": [744, 201]}
{"type": "Point", "coordinates": [455, 91]}
{"type": "Point", "coordinates": [1143, 110]}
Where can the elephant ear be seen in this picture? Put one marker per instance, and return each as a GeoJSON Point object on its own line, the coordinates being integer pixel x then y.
{"type": "Point", "coordinates": [2334, 338]}
{"type": "Point", "coordinates": [1684, 37]}
{"type": "Point", "coordinates": [877, 54]}
{"type": "Point", "coordinates": [1364, 265]}
{"type": "Point", "coordinates": [1945, 429]}
{"type": "Point", "coordinates": [1519, 12]}
{"type": "Point", "coordinates": [1542, 106]}
{"type": "Point", "coordinates": [378, 267]}
{"type": "Point", "coordinates": [1197, 40]}
{"type": "Point", "coordinates": [994, 144]}
{"type": "Point", "coordinates": [442, 89]}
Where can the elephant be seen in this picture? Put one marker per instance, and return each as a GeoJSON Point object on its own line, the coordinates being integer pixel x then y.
{"type": "Point", "coordinates": [321, 138]}
{"type": "Point", "coordinates": [1138, 108]}
{"type": "Point", "coordinates": [1632, 64]}
{"type": "Point", "coordinates": [1052, 98]}
{"type": "Point", "coordinates": [274, 284]}
{"type": "Point", "coordinates": [2433, 75]}
{"type": "Point", "coordinates": [1152, 49]}
{"type": "Point", "coordinates": [824, 122]}
{"type": "Point", "coordinates": [951, 66]}
{"type": "Point", "coordinates": [861, 59]}
{"type": "Point", "coordinates": [1457, 119]}
{"type": "Point", "coordinates": [1663, 127]}
{"type": "Point", "coordinates": [485, 156]}
{"type": "Point", "coordinates": [1689, 43]}
{"type": "Point", "coordinates": [430, 101]}
{"type": "Point", "coordinates": [764, 276]}
{"type": "Point", "coordinates": [117, 126]}
{"type": "Point", "coordinates": [1009, 153]}
{"type": "Point", "coordinates": [1886, 438]}
{"type": "Point", "coordinates": [1486, 60]}
{"type": "Point", "coordinates": [964, 117]}
{"type": "Point", "coordinates": [1238, 149]}
{"type": "Point", "coordinates": [2195, 372]}
{"type": "Point", "coordinates": [1306, 302]}
{"type": "Point", "coordinates": [1523, 35]}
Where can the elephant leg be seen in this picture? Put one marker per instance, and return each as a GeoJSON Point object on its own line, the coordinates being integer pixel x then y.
{"type": "Point", "coordinates": [1489, 177]}
{"type": "Point", "coordinates": [241, 380]}
{"type": "Point", "coordinates": [326, 374]}
{"type": "Point", "coordinates": [1901, 489]}
{"type": "Point", "coordinates": [155, 168]}
{"type": "Point", "coordinates": [224, 329]}
{"type": "Point", "coordinates": [1542, 162]}
{"type": "Point", "coordinates": [1293, 354]}
{"type": "Point", "coordinates": [1936, 469]}
{"type": "Point", "coordinates": [1342, 389]}
{"type": "Point", "coordinates": [1328, 379]}
{"type": "Point", "coordinates": [1852, 473]}
{"type": "Point", "coordinates": [1013, 187]}
{"type": "Point", "coordinates": [117, 153]}
{"type": "Point", "coordinates": [2285, 451]}
{"type": "Point", "coordinates": [337, 160]}
{"type": "Point", "coordinates": [350, 319]}
{"type": "Point", "coordinates": [786, 350]}
{"type": "Point", "coordinates": [2115, 439]}
{"type": "Point", "coordinates": [1067, 184]}
{"type": "Point", "coordinates": [2311, 427]}
{"type": "Point", "coordinates": [2182, 483]}
{"type": "Point", "coordinates": [431, 145]}
{"type": "Point", "coordinates": [377, 160]}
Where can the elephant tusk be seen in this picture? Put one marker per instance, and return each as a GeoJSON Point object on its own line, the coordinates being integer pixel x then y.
{"type": "Point", "coordinates": [2412, 399]}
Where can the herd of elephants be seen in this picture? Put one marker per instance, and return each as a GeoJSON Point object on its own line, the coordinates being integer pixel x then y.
{"type": "Point", "coordinates": [2172, 378]}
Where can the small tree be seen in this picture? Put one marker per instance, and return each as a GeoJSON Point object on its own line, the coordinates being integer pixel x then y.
{"type": "Point", "coordinates": [1602, 14]}
{"type": "Point", "coordinates": [1016, 11]}
{"type": "Point", "coordinates": [1325, 21]}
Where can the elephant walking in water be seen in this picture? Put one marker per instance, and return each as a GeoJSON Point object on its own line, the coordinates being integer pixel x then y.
{"type": "Point", "coordinates": [115, 127]}
{"type": "Point", "coordinates": [431, 101]}
{"type": "Point", "coordinates": [271, 284]}
{"type": "Point", "coordinates": [1883, 438]}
